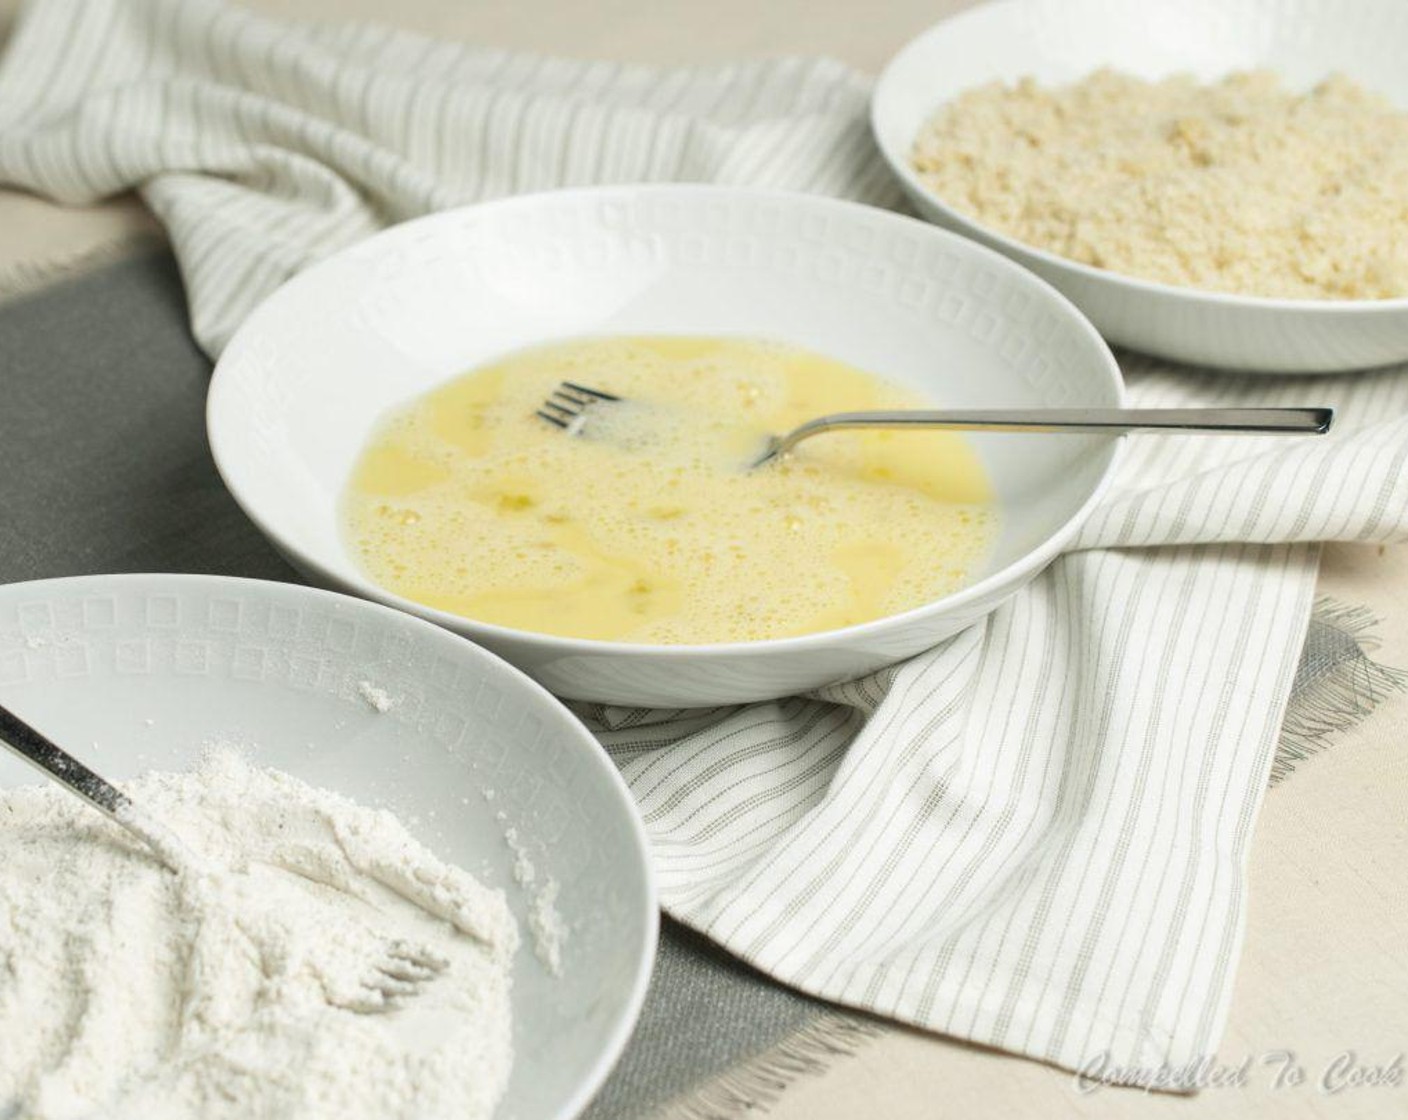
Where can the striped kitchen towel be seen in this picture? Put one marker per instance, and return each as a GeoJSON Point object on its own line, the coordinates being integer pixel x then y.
{"type": "Point", "coordinates": [1033, 836]}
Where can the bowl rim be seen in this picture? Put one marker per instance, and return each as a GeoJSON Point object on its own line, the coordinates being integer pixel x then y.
{"type": "Point", "coordinates": [626, 1023]}
{"type": "Point", "coordinates": [884, 95]}
{"type": "Point", "coordinates": [226, 453]}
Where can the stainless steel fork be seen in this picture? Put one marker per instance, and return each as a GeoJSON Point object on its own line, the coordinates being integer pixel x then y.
{"type": "Point", "coordinates": [401, 969]}
{"type": "Point", "coordinates": [570, 403]}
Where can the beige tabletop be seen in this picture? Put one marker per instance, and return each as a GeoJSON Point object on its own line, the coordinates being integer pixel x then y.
{"type": "Point", "coordinates": [1323, 972]}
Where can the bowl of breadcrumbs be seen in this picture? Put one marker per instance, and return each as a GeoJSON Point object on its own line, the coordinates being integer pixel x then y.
{"type": "Point", "coordinates": [1220, 182]}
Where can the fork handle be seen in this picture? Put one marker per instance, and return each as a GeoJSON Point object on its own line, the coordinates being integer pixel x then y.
{"type": "Point", "coordinates": [31, 745]}
{"type": "Point", "coordinates": [1254, 421]}
{"type": "Point", "coordinates": [41, 752]}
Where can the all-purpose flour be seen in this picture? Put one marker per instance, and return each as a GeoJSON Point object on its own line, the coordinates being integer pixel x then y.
{"type": "Point", "coordinates": [128, 991]}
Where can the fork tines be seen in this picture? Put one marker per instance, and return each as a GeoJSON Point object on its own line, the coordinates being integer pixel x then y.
{"type": "Point", "coordinates": [565, 406]}
{"type": "Point", "coordinates": [403, 971]}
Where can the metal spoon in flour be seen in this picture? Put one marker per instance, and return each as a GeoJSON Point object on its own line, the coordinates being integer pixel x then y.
{"type": "Point", "coordinates": [400, 973]}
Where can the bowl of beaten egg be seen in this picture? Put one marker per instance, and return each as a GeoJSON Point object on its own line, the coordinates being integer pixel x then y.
{"type": "Point", "coordinates": [376, 418]}
{"type": "Point", "coordinates": [1212, 181]}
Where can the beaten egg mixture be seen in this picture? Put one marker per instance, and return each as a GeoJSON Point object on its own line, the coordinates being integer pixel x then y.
{"type": "Point", "coordinates": [648, 526]}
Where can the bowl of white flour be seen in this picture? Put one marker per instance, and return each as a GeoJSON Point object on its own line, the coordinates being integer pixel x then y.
{"type": "Point", "coordinates": [354, 778]}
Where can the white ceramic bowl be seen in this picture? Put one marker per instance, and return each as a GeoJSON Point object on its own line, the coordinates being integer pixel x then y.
{"type": "Point", "coordinates": [1060, 41]}
{"type": "Point", "coordinates": [137, 672]}
{"type": "Point", "coordinates": [298, 389]}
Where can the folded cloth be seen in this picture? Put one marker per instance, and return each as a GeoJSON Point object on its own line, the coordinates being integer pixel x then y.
{"type": "Point", "coordinates": [1034, 835]}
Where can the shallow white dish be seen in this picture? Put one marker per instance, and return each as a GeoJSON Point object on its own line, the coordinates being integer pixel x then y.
{"type": "Point", "coordinates": [1060, 41]}
{"type": "Point", "coordinates": [136, 672]}
{"type": "Point", "coordinates": [298, 389]}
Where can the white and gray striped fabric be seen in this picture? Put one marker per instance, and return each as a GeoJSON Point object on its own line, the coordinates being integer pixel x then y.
{"type": "Point", "coordinates": [1033, 836]}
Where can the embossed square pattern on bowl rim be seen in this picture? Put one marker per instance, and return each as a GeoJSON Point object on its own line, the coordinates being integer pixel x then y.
{"type": "Point", "coordinates": [303, 382]}
{"type": "Point", "coordinates": [137, 672]}
{"type": "Point", "coordinates": [1060, 41]}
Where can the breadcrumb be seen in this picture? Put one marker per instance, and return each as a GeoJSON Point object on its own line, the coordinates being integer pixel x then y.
{"type": "Point", "coordinates": [1238, 186]}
